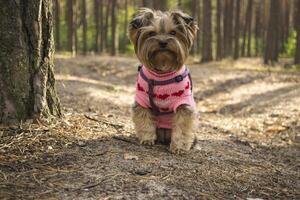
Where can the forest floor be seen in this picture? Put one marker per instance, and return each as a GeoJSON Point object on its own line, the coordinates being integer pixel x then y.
{"type": "Point", "coordinates": [248, 142]}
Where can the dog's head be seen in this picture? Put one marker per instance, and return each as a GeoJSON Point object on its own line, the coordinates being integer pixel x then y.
{"type": "Point", "coordinates": [162, 40]}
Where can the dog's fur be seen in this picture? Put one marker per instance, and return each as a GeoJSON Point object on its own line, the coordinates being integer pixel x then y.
{"type": "Point", "coordinates": [147, 30]}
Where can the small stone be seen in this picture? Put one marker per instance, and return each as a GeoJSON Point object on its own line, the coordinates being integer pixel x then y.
{"type": "Point", "coordinates": [142, 172]}
{"type": "Point", "coordinates": [130, 157]}
{"type": "Point", "coordinates": [81, 143]}
{"type": "Point", "coordinates": [50, 148]}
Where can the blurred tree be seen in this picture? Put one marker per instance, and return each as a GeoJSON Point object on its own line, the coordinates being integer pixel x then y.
{"type": "Point", "coordinates": [249, 26]}
{"type": "Point", "coordinates": [101, 5]}
{"type": "Point", "coordinates": [57, 24]}
{"type": "Point", "coordinates": [147, 3]}
{"type": "Point", "coordinates": [156, 4]}
{"type": "Point", "coordinates": [160, 5]}
{"type": "Point", "coordinates": [207, 32]}
{"type": "Point", "coordinates": [272, 41]}
{"type": "Point", "coordinates": [97, 24]}
{"type": "Point", "coordinates": [70, 19]}
{"type": "Point", "coordinates": [228, 27]}
{"type": "Point", "coordinates": [193, 7]}
{"type": "Point", "coordinates": [84, 26]}
{"type": "Point", "coordinates": [219, 54]}
{"type": "Point", "coordinates": [237, 29]}
{"type": "Point", "coordinates": [258, 27]}
{"type": "Point", "coordinates": [247, 30]}
{"type": "Point", "coordinates": [113, 28]}
{"type": "Point", "coordinates": [297, 27]}
{"type": "Point", "coordinates": [125, 39]}
{"type": "Point", "coordinates": [27, 84]}
{"type": "Point", "coordinates": [106, 26]}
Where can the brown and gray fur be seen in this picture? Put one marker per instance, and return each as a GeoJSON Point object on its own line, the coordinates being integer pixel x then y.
{"type": "Point", "coordinates": [162, 41]}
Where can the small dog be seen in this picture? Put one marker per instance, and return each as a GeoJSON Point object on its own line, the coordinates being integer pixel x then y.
{"type": "Point", "coordinates": [164, 98]}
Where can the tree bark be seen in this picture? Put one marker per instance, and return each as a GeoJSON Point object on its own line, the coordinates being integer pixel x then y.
{"type": "Point", "coordinates": [249, 27]}
{"type": "Point", "coordinates": [147, 3]}
{"type": "Point", "coordinates": [193, 7]}
{"type": "Point", "coordinates": [101, 26]}
{"type": "Point", "coordinates": [258, 29]}
{"type": "Point", "coordinates": [228, 27]}
{"type": "Point", "coordinates": [179, 4]}
{"type": "Point", "coordinates": [84, 26]}
{"type": "Point", "coordinates": [77, 24]}
{"type": "Point", "coordinates": [125, 40]}
{"type": "Point", "coordinates": [57, 24]}
{"type": "Point", "coordinates": [219, 52]}
{"type": "Point", "coordinates": [97, 24]}
{"type": "Point", "coordinates": [237, 29]}
{"type": "Point", "coordinates": [113, 27]}
{"type": "Point", "coordinates": [105, 40]}
{"type": "Point", "coordinates": [246, 45]}
{"type": "Point", "coordinates": [160, 5]}
{"type": "Point", "coordinates": [207, 32]}
{"type": "Point", "coordinates": [70, 19]}
{"type": "Point", "coordinates": [272, 41]}
{"type": "Point", "coordinates": [27, 84]}
{"type": "Point", "coordinates": [297, 27]}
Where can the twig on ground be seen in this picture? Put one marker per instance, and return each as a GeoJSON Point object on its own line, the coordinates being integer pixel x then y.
{"type": "Point", "coordinates": [123, 139]}
{"type": "Point", "coordinates": [116, 126]}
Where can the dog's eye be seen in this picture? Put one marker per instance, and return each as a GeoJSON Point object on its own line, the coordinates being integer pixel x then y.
{"type": "Point", "coordinates": [152, 33]}
{"type": "Point", "coordinates": [173, 33]}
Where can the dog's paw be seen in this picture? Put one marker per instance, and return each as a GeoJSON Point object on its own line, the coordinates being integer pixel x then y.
{"type": "Point", "coordinates": [147, 142]}
{"type": "Point", "coordinates": [179, 149]}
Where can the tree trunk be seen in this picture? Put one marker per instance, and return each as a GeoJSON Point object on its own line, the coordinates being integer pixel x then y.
{"type": "Point", "coordinates": [237, 30]}
{"type": "Point", "coordinates": [97, 24]}
{"type": "Point", "coordinates": [179, 4]}
{"type": "Point", "coordinates": [70, 18]}
{"type": "Point", "coordinates": [207, 32]}
{"type": "Point", "coordinates": [297, 27]}
{"type": "Point", "coordinates": [125, 40]}
{"type": "Point", "coordinates": [219, 53]}
{"type": "Point", "coordinates": [101, 26]}
{"type": "Point", "coordinates": [27, 84]}
{"type": "Point", "coordinates": [84, 26]}
{"type": "Point", "coordinates": [57, 24]}
{"type": "Point", "coordinates": [77, 24]}
{"type": "Point", "coordinates": [105, 40]}
{"type": "Point", "coordinates": [160, 5]}
{"type": "Point", "coordinates": [198, 18]}
{"type": "Point", "coordinates": [287, 20]}
{"type": "Point", "coordinates": [113, 28]}
{"type": "Point", "coordinates": [249, 27]}
{"type": "Point", "coordinates": [271, 50]}
{"type": "Point", "coordinates": [258, 29]}
{"type": "Point", "coordinates": [193, 7]}
{"type": "Point", "coordinates": [228, 27]}
{"type": "Point", "coordinates": [147, 3]}
{"type": "Point", "coordinates": [246, 45]}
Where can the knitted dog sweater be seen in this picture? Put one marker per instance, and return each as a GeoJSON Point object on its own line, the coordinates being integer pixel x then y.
{"type": "Point", "coordinates": [166, 97]}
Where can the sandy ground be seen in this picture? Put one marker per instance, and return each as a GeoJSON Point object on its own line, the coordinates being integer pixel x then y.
{"type": "Point", "coordinates": [247, 146]}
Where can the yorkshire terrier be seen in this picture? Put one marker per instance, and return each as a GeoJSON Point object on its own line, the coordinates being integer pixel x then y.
{"type": "Point", "coordinates": [164, 99]}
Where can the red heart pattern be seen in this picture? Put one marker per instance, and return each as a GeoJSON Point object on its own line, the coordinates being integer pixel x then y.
{"type": "Point", "coordinates": [178, 94]}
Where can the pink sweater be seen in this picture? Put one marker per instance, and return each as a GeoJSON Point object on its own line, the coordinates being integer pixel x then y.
{"type": "Point", "coordinates": [166, 97]}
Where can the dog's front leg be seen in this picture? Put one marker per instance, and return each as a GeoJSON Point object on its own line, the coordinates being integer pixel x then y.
{"type": "Point", "coordinates": [144, 124]}
{"type": "Point", "coordinates": [183, 129]}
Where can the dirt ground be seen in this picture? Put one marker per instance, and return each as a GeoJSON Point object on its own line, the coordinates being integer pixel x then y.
{"type": "Point", "coordinates": [247, 140]}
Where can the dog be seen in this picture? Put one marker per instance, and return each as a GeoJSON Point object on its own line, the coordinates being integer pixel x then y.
{"type": "Point", "coordinates": [164, 98]}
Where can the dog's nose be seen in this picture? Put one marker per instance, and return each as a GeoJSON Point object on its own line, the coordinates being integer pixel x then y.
{"type": "Point", "coordinates": [163, 44]}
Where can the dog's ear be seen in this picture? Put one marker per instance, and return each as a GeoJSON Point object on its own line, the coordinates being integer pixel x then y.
{"type": "Point", "coordinates": [185, 23]}
{"type": "Point", "coordinates": [141, 18]}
